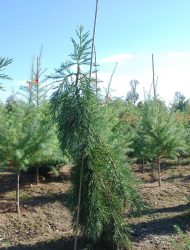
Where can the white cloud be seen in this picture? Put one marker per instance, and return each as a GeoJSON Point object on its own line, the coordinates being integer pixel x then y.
{"type": "Point", "coordinates": [119, 84]}
{"type": "Point", "coordinates": [171, 68]}
{"type": "Point", "coordinates": [179, 54]}
{"type": "Point", "coordinates": [119, 58]}
{"type": "Point", "coordinates": [11, 87]}
{"type": "Point", "coordinates": [21, 82]}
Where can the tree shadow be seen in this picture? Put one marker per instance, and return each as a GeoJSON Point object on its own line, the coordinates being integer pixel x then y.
{"type": "Point", "coordinates": [8, 180]}
{"type": "Point", "coordinates": [64, 198]}
{"type": "Point", "coordinates": [150, 211]}
{"type": "Point", "coordinates": [30, 203]}
{"type": "Point", "coordinates": [174, 164]}
{"type": "Point", "coordinates": [179, 208]}
{"type": "Point", "coordinates": [8, 184]}
{"type": "Point", "coordinates": [7, 207]}
{"type": "Point", "coordinates": [65, 243]}
{"type": "Point", "coordinates": [179, 177]}
{"type": "Point", "coordinates": [162, 226]}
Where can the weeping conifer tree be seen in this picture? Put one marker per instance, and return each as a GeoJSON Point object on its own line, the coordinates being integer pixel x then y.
{"type": "Point", "coordinates": [102, 184]}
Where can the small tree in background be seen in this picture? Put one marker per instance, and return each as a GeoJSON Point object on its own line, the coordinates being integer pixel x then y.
{"type": "Point", "coordinates": [179, 102]}
{"type": "Point", "coordinates": [122, 120]}
{"type": "Point", "coordinates": [2, 132]}
{"type": "Point", "coordinates": [132, 96]}
{"type": "Point", "coordinates": [3, 63]}
{"type": "Point", "coordinates": [35, 93]}
{"type": "Point", "coordinates": [141, 146]}
{"type": "Point", "coordinates": [25, 130]}
{"type": "Point", "coordinates": [163, 134]}
{"type": "Point", "coordinates": [49, 151]}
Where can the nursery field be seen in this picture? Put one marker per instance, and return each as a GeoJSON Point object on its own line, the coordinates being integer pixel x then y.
{"type": "Point", "coordinates": [87, 162]}
{"type": "Point", "coordinates": [45, 221]}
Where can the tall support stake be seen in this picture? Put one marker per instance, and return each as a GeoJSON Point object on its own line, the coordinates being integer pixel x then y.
{"type": "Point", "coordinates": [93, 39]}
{"type": "Point", "coordinates": [96, 72]}
{"type": "Point", "coordinates": [110, 81]}
{"type": "Point", "coordinates": [153, 78]}
{"type": "Point", "coordinates": [78, 205]}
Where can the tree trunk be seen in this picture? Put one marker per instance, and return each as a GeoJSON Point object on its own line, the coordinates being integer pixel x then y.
{"type": "Point", "coordinates": [37, 175]}
{"type": "Point", "coordinates": [143, 164]}
{"type": "Point", "coordinates": [159, 172]}
{"type": "Point", "coordinates": [178, 160]}
{"type": "Point", "coordinates": [18, 191]}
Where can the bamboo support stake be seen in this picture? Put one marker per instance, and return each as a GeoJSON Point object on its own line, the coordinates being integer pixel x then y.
{"type": "Point", "coordinates": [153, 78]}
{"type": "Point", "coordinates": [96, 71]}
{"type": "Point", "coordinates": [110, 81]}
{"type": "Point", "coordinates": [93, 39]}
{"type": "Point", "coordinates": [78, 205]}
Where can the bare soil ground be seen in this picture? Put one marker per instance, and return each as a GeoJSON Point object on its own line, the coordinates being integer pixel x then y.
{"type": "Point", "coordinates": [45, 220]}
{"type": "Point", "coordinates": [169, 206]}
{"type": "Point", "coordinates": [44, 216]}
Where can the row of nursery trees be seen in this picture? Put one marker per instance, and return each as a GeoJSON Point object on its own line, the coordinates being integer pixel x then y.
{"type": "Point", "coordinates": [101, 135]}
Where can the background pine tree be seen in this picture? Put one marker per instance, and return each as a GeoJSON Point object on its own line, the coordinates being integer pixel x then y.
{"type": "Point", "coordinates": [163, 135]}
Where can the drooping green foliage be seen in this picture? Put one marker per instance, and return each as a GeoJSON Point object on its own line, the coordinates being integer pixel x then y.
{"type": "Point", "coordinates": [102, 184]}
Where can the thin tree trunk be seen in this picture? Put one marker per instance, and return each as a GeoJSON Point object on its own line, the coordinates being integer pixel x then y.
{"type": "Point", "coordinates": [37, 175]}
{"type": "Point", "coordinates": [37, 104]}
{"type": "Point", "coordinates": [159, 172]}
{"type": "Point", "coordinates": [18, 190]}
{"type": "Point", "coordinates": [143, 164]}
{"type": "Point", "coordinates": [178, 160]}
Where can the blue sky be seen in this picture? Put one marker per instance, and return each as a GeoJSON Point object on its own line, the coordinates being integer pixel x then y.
{"type": "Point", "coordinates": [128, 31]}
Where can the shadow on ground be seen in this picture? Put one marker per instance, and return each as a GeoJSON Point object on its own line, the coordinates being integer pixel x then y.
{"type": "Point", "coordinates": [162, 226]}
{"type": "Point", "coordinates": [178, 177]}
{"type": "Point", "coordinates": [65, 243]}
{"type": "Point", "coordinates": [32, 202]}
{"type": "Point", "coordinates": [150, 211]}
{"type": "Point", "coordinates": [8, 179]}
